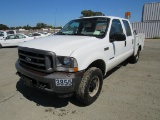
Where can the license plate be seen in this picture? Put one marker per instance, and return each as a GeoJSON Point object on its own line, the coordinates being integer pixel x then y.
{"type": "Point", "coordinates": [63, 82]}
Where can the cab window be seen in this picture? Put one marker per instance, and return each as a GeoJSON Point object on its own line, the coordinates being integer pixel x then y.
{"type": "Point", "coordinates": [11, 37]}
{"type": "Point", "coordinates": [127, 27]}
{"type": "Point", "coordinates": [20, 36]}
{"type": "Point", "coordinates": [10, 32]}
{"type": "Point", "coordinates": [116, 27]}
{"type": "Point", "coordinates": [36, 34]}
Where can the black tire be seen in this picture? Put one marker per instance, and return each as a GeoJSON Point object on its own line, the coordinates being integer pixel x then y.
{"type": "Point", "coordinates": [90, 86]}
{"type": "Point", "coordinates": [134, 59]}
{"type": "Point", "coordinates": [0, 46]}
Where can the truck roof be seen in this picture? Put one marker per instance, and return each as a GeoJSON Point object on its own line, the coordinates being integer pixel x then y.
{"type": "Point", "coordinates": [112, 17]}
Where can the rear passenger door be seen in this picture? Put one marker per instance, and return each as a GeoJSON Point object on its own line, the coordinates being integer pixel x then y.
{"type": "Point", "coordinates": [20, 38]}
{"type": "Point", "coordinates": [129, 36]}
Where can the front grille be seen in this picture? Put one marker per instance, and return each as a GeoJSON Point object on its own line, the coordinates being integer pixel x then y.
{"type": "Point", "coordinates": [38, 60]}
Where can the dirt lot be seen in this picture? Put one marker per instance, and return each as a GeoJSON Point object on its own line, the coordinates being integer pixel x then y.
{"type": "Point", "coordinates": [130, 92]}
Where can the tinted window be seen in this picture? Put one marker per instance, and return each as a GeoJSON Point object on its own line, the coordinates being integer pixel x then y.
{"type": "Point", "coordinates": [20, 36]}
{"type": "Point", "coordinates": [116, 27]}
{"type": "Point", "coordinates": [30, 35]}
{"type": "Point", "coordinates": [10, 32]}
{"type": "Point", "coordinates": [36, 34]}
{"type": "Point", "coordinates": [10, 37]}
{"type": "Point", "coordinates": [127, 27]}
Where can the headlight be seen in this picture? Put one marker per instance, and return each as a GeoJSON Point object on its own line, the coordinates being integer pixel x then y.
{"type": "Point", "coordinates": [67, 64]}
{"type": "Point", "coordinates": [67, 61]}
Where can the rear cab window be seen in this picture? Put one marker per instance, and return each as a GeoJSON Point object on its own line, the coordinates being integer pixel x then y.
{"type": "Point", "coordinates": [10, 32]}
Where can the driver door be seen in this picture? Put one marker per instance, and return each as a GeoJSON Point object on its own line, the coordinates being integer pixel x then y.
{"type": "Point", "coordinates": [118, 46]}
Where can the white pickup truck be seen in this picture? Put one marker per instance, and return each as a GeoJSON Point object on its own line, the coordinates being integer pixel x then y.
{"type": "Point", "coordinates": [76, 59]}
{"type": "Point", "coordinates": [4, 34]}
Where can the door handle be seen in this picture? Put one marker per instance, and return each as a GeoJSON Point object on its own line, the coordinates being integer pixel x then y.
{"type": "Point", "coordinates": [107, 48]}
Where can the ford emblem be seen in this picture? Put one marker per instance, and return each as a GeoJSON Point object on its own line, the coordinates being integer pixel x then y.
{"type": "Point", "coordinates": [28, 59]}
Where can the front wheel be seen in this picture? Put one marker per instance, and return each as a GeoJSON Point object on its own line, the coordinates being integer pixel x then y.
{"type": "Point", "coordinates": [90, 86]}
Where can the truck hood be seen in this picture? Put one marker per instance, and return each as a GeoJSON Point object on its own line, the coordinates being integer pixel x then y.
{"type": "Point", "coordinates": [62, 45]}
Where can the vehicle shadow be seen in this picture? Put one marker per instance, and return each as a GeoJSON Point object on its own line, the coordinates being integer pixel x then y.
{"type": "Point", "coordinates": [9, 47]}
{"type": "Point", "coordinates": [52, 100]}
{"type": "Point", "coordinates": [116, 68]}
{"type": "Point", "coordinates": [45, 99]}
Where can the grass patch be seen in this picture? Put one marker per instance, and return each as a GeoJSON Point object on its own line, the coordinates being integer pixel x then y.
{"type": "Point", "coordinates": [157, 37]}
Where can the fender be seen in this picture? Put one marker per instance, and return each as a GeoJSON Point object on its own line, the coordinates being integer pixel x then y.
{"type": "Point", "coordinates": [85, 60]}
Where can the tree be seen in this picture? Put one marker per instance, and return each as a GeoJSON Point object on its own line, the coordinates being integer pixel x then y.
{"type": "Point", "coordinates": [27, 27]}
{"type": "Point", "coordinates": [87, 13]}
{"type": "Point", "coordinates": [3, 27]}
{"type": "Point", "coordinates": [41, 25]}
{"type": "Point", "coordinates": [19, 27]}
{"type": "Point", "coordinates": [12, 28]}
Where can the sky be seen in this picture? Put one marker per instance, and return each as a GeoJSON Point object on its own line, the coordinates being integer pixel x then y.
{"type": "Point", "coordinates": [15, 13]}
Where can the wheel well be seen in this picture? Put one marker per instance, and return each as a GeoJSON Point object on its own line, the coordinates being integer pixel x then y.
{"type": "Point", "coordinates": [99, 64]}
{"type": "Point", "coordinates": [140, 48]}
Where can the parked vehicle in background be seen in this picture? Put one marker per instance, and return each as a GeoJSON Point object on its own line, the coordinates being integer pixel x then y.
{"type": "Point", "coordinates": [53, 34]}
{"type": "Point", "coordinates": [75, 60]}
{"type": "Point", "coordinates": [45, 33]}
{"type": "Point", "coordinates": [36, 35]}
{"type": "Point", "coordinates": [14, 40]}
{"type": "Point", "coordinates": [4, 34]}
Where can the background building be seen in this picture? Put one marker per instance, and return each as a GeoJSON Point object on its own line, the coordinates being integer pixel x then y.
{"type": "Point", "coordinates": [150, 24]}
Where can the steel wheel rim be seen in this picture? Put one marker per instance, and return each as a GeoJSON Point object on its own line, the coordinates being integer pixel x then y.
{"type": "Point", "coordinates": [94, 86]}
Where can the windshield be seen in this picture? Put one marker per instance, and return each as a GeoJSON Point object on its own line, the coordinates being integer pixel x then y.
{"type": "Point", "coordinates": [87, 26]}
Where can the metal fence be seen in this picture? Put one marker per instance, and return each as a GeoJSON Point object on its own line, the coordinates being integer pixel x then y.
{"type": "Point", "coordinates": [150, 29]}
{"type": "Point", "coordinates": [151, 12]}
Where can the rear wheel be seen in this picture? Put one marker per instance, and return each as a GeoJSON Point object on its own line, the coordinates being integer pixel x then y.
{"type": "Point", "coordinates": [134, 59]}
{"type": "Point", "coordinates": [90, 86]}
{"type": "Point", "coordinates": [0, 46]}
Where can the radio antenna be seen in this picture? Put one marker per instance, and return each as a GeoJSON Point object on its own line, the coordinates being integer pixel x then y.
{"type": "Point", "coordinates": [55, 20]}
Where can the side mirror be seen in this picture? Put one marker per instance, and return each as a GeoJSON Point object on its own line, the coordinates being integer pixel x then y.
{"type": "Point", "coordinates": [135, 32]}
{"type": "Point", "coordinates": [118, 37]}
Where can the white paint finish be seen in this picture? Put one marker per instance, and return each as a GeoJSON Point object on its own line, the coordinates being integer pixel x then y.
{"type": "Point", "coordinates": [62, 45]}
{"type": "Point", "coordinates": [86, 49]}
{"type": "Point", "coordinates": [14, 42]}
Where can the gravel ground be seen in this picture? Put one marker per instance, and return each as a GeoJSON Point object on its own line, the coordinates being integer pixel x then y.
{"type": "Point", "coordinates": [130, 92]}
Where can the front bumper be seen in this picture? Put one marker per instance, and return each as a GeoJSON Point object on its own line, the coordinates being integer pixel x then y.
{"type": "Point", "coordinates": [47, 82]}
